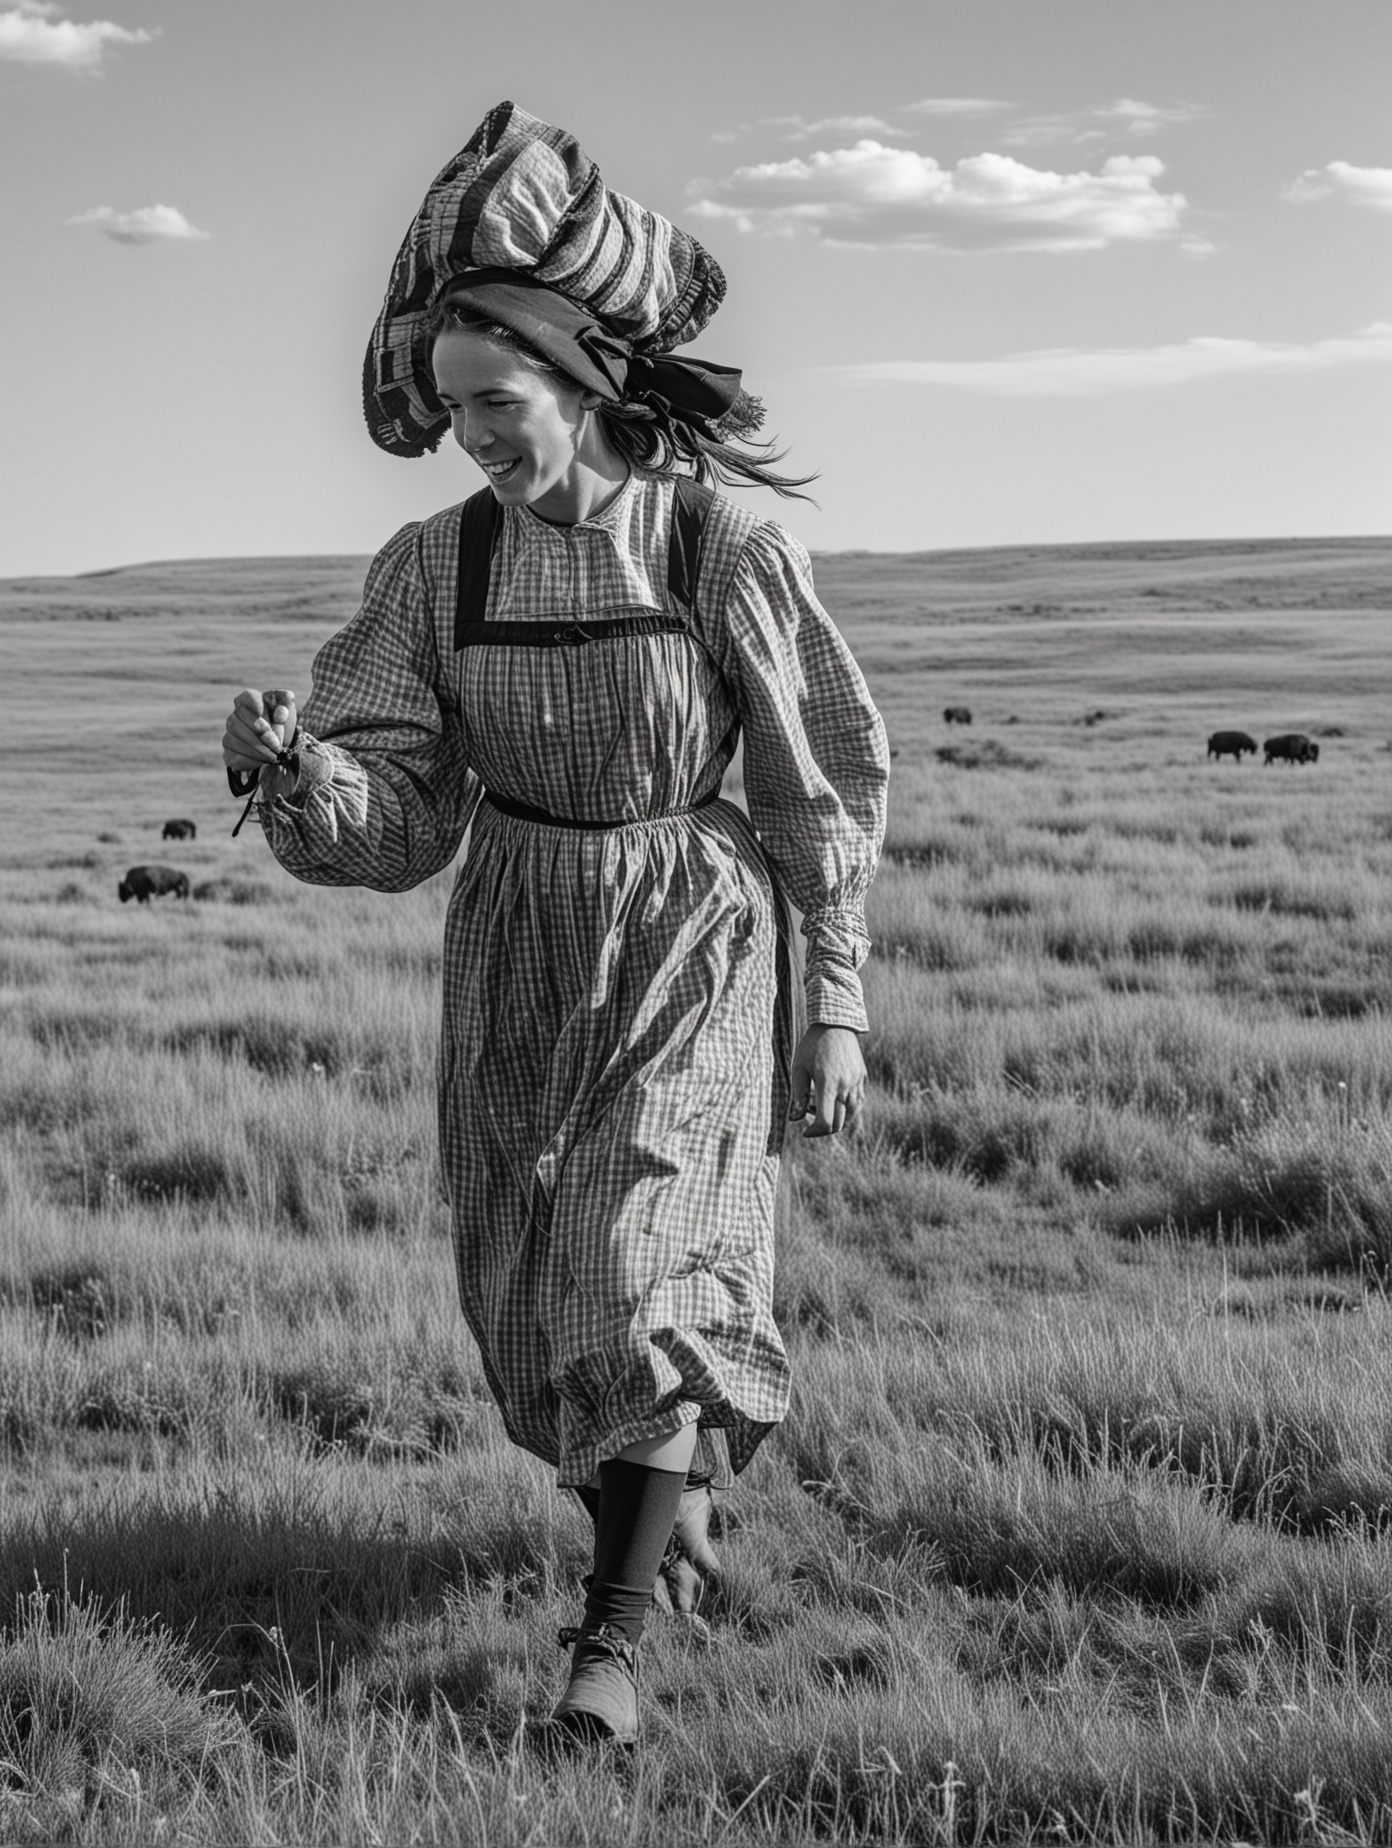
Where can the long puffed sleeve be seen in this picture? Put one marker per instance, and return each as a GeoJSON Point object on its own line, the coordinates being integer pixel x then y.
{"type": "Point", "coordinates": [384, 791]}
{"type": "Point", "coordinates": [816, 763]}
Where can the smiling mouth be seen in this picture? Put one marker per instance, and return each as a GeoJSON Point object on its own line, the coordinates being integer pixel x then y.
{"type": "Point", "coordinates": [498, 471]}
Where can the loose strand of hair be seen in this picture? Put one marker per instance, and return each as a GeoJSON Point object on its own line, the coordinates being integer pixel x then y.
{"type": "Point", "coordinates": [662, 444]}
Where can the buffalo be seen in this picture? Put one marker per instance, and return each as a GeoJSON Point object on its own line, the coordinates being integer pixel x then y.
{"type": "Point", "coordinates": [142, 883]}
{"type": "Point", "coordinates": [1291, 748]}
{"type": "Point", "coordinates": [1231, 744]}
{"type": "Point", "coordinates": [179, 831]}
{"type": "Point", "coordinates": [957, 715]}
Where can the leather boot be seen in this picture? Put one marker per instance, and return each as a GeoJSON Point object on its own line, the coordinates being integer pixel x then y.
{"type": "Point", "coordinates": [601, 1698]}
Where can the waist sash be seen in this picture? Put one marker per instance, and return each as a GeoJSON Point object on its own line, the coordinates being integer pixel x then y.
{"type": "Point", "coordinates": [523, 811]}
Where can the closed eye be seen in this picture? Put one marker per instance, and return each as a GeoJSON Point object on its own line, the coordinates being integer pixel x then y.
{"type": "Point", "coordinates": [494, 404]}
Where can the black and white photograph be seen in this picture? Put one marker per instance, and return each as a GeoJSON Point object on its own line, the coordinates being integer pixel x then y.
{"type": "Point", "coordinates": [696, 924]}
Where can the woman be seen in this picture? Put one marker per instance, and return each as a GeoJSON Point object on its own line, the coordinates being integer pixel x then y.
{"type": "Point", "coordinates": [564, 667]}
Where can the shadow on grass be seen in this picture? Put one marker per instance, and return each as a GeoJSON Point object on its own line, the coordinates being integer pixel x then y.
{"type": "Point", "coordinates": [79, 1301]}
{"type": "Point", "coordinates": [1327, 1193]}
{"type": "Point", "coordinates": [267, 1597]}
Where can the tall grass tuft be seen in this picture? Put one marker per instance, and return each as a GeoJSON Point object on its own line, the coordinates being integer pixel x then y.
{"type": "Point", "coordinates": [99, 1711]}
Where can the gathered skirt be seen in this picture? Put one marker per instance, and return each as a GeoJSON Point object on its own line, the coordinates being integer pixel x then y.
{"type": "Point", "coordinates": [613, 1090]}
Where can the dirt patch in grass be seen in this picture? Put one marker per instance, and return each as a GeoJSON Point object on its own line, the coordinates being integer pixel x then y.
{"type": "Point", "coordinates": [190, 1173]}
{"type": "Point", "coordinates": [278, 1049]}
{"type": "Point", "coordinates": [1285, 898]}
{"type": "Point", "coordinates": [424, 1413]}
{"type": "Point", "coordinates": [79, 1302]}
{"type": "Point", "coordinates": [986, 754]}
{"type": "Point", "coordinates": [69, 1030]}
{"type": "Point", "coordinates": [225, 890]}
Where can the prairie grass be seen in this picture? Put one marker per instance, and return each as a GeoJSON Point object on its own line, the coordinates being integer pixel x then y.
{"type": "Point", "coordinates": [1081, 1528]}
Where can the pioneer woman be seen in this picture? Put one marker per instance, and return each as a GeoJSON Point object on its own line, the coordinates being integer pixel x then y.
{"type": "Point", "coordinates": [564, 667]}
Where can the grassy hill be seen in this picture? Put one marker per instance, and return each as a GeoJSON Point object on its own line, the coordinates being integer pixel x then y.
{"type": "Point", "coordinates": [1081, 1528]}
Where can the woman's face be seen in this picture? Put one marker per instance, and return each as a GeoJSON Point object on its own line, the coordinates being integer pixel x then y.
{"type": "Point", "coordinates": [530, 436]}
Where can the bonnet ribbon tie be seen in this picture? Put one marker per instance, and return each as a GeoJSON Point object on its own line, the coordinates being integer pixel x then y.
{"type": "Point", "coordinates": [692, 389]}
{"type": "Point", "coordinates": [572, 336]}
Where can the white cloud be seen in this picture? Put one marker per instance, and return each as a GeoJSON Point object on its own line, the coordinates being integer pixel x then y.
{"type": "Point", "coordinates": [798, 128]}
{"type": "Point", "coordinates": [1363, 185]}
{"type": "Point", "coordinates": [1146, 118]}
{"type": "Point", "coordinates": [869, 194]}
{"type": "Point", "coordinates": [1041, 134]}
{"type": "Point", "coordinates": [1126, 115]}
{"type": "Point", "coordinates": [955, 105]}
{"type": "Point", "coordinates": [148, 224]}
{"type": "Point", "coordinates": [783, 124]}
{"type": "Point", "coordinates": [847, 125]}
{"type": "Point", "coordinates": [1079, 372]}
{"type": "Point", "coordinates": [1044, 131]}
{"type": "Point", "coordinates": [32, 34]}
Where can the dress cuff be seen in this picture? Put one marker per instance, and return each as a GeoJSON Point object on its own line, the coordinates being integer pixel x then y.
{"type": "Point", "coordinates": [315, 771]}
{"type": "Point", "coordinates": [834, 999]}
{"type": "Point", "coordinates": [837, 945]}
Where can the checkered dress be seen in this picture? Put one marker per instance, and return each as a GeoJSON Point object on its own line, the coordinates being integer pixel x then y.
{"type": "Point", "coordinates": [610, 1081]}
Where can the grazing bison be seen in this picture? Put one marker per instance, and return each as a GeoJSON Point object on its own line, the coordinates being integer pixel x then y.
{"type": "Point", "coordinates": [1291, 748]}
{"type": "Point", "coordinates": [143, 883]}
{"type": "Point", "coordinates": [957, 715]}
{"type": "Point", "coordinates": [179, 831]}
{"type": "Point", "coordinates": [1231, 744]}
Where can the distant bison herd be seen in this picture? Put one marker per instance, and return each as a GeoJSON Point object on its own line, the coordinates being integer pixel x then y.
{"type": "Point", "coordinates": [142, 883]}
{"type": "Point", "coordinates": [1284, 748]}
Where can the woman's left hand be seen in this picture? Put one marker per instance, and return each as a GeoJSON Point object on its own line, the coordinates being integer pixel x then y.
{"type": "Point", "coordinates": [828, 1080]}
{"type": "Point", "coordinates": [260, 727]}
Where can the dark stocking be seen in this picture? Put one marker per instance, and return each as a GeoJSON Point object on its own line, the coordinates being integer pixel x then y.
{"type": "Point", "coordinates": [637, 1507]}
{"type": "Point", "coordinates": [588, 1492]}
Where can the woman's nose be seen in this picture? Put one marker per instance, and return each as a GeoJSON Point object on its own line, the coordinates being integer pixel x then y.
{"type": "Point", "coordinates": [470, 430]}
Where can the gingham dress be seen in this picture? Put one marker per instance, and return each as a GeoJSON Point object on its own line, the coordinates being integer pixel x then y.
{"type": "Point", "coordinates": [608, 1068]}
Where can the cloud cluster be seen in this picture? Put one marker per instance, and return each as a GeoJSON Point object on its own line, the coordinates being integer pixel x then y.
{"type": "Point", "coordinates": [31, 33]}
{"type": "Point", "coordinates": [1128, 116]}
{"type": "Point", "coordinates": [870, 194]}
{"type": "Point", "coordinates": [1370, 186]}
{"type": "Point", "coordinates": [1080, 372]}
{"type": "Point", "coordinates": [148, 224]}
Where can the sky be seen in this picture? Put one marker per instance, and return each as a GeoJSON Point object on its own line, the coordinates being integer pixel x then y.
{"type": "Point", "coordinates": [1003, 271]}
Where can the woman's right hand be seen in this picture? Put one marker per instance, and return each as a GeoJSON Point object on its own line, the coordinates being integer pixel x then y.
{"type": "Point", "coordinates": [259, 727]}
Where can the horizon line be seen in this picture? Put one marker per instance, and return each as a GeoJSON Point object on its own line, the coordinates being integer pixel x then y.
{"type": "Point", "coordinates": [1013, 545]}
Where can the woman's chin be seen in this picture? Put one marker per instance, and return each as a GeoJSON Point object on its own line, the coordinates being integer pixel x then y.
{"type": "Point", "coordinates": [509, 488]}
